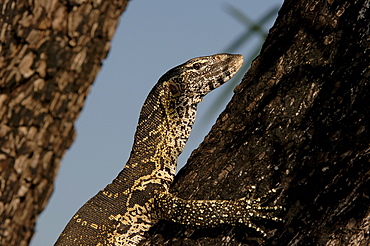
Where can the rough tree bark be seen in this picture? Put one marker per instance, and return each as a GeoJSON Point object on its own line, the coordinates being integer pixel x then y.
{"type": "Point", "coordinates": [299, 121]}
{"type": "Point", "coordinates": [50, 54]}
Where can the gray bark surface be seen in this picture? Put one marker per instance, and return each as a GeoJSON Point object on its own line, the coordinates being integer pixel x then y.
{"type": "Point", "coordinates": [50, 54]}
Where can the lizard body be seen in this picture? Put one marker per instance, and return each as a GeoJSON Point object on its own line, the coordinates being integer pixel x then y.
{"type": "Point", "coordinates": [139, 196]}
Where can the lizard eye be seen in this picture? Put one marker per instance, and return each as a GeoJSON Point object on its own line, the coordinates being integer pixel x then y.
{"type": "Point", "coordinates": [197, 66]}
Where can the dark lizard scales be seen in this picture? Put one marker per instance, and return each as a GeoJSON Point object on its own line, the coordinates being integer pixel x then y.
{"type": "Point", "coordinates": [123, 211]}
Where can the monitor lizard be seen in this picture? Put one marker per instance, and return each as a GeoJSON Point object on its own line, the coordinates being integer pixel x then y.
{"type": "Point", "coordinates": [139, 196]}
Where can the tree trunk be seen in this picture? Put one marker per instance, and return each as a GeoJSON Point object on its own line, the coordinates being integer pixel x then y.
{"type": "Point", "coordinates": [299, 121]}
{"type": "Point", "coordinates": [50, 54]}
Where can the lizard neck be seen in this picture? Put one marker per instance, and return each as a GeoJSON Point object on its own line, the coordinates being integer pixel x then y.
{"type": "Point", "coordinates": [161, 135]}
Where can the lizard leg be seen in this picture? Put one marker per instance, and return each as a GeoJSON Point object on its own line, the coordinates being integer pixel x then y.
{"type": "Point", "coordinates": [211, 213]}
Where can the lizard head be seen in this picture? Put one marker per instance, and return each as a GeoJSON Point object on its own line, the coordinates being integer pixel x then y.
{"type": "Point", "coordinates": [192, 80]}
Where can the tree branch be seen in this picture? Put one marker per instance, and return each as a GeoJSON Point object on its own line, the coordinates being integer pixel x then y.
{"type": "Point", "coordinates": [50, 54]}
{"type": "Point", "coordinates": [299, 120]}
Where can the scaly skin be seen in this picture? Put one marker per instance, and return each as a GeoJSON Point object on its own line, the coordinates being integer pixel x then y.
{"type": "Point", "coordinates": [139, 196]}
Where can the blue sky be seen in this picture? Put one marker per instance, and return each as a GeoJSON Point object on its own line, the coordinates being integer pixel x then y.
{"type": "Point", "coordinates": [153, 36]}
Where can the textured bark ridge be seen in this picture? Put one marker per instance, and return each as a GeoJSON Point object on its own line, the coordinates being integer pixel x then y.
{"type": "Point", "coordinates": [50, 54]}
{"type": "Point", "coordinates": [299, 121]}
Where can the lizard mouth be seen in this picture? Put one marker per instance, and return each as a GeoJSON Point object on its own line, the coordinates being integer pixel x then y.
{"type": "Point", "coordinates": [226, 66]}
{"type": "Point", "coordinates": [232, 65]}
